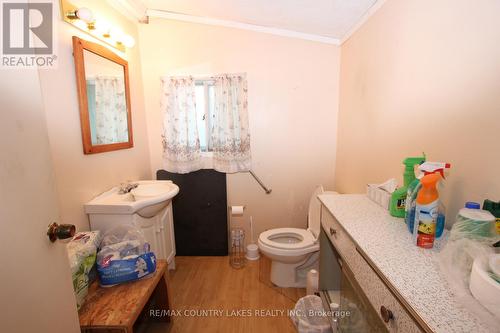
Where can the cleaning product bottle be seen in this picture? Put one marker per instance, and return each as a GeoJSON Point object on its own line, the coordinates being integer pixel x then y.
{"type": "Point", "coordinates": [398, 197]}
{"type": "Point", "coordinates": [410, 203]}
{"type": "Point", "coordinates": [493, 208]}
{"type": "Point", "coordinates": [411, 195]}
{"type": "Point", "coordinates": [426, 211]}
{"type": "Point", "coordinates": [441, 219]}
{"type": "Point", "coordinates": [425, 168]}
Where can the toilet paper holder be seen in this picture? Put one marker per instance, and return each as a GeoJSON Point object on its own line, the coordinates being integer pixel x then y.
{"type": "Point", "coordinates": [236, 210]}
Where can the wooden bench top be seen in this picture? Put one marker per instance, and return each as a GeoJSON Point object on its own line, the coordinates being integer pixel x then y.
{"type": "Point", "coordinates": [120, 305]}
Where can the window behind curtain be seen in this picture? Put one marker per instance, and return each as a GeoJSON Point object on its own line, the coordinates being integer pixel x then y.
{"type": "Point", "coordinates": [205, 106]}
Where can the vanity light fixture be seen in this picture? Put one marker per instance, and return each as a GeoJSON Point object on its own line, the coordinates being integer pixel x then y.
{"type": "Point", "coordinates": [83, 19]}
{"type": "Point", "coordinates": [83, 14]}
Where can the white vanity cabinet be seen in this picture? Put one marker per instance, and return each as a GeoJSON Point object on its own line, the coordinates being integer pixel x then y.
{"type": "Point", "coordinates": [159, 233]}
{"type": "Point", "coordinates": [158, 230]}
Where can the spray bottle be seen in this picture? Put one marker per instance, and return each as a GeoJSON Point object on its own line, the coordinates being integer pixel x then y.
{"type": "Point", "coordinates": [426, 212]}
{"type": "Point", "coordinates": [398, 197]}
{"type": "Point", "coordinates": [425, 168]}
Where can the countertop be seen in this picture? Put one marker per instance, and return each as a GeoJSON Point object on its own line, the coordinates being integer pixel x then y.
{"type": "Point", "coordinates": [411, 270]}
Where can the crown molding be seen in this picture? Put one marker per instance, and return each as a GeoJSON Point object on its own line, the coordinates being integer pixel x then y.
{"type": "Point", "coordinates": [369, 13]}
{"type": "Point", "coordinates": [134, 10]}
{"type": "Point", "coordinates": [243, 26]}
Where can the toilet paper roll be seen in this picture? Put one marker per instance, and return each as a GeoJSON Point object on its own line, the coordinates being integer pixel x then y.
{"type": "Point", "coordinates": [237, 210]}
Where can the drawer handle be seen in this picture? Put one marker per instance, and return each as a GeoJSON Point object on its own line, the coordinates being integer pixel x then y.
{"type": "Point", "coordinates": [386, 314]}
{"type": "Point", "coordinates": [332, 231]}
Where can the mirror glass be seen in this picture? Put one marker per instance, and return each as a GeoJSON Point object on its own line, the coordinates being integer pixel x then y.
{"type": "Point", "coordinates": [106, 100]}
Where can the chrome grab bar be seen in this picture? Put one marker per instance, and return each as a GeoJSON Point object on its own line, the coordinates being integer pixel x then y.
{"type": "Point", "coordinates": [266, 189]}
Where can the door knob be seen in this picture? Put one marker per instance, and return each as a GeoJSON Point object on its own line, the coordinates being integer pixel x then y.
{"type": "Point", "coordinates": [386, 314]}
{"type": "Point", "coordinates": [60, 231]}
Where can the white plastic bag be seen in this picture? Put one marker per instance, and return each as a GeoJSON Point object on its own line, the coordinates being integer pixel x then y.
{"type": "Point", "coordinates": [309, 316]}
{"type": "Point", "coordinates": [82, 256]}
{"type": "Point", "coordinates": [474, 224]}
{"type": "Point", "coordinates": [456, 259]}
{"type": "Point", "coordinates": [124, 256]}
{"type": "Point", "coordinates": [455, 262]}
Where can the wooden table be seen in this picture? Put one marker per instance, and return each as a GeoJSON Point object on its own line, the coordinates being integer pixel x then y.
{"type": "Point", "coordinates": [118, 308]}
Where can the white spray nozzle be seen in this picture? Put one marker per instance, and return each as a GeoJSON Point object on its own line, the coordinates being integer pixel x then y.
{"type": "Point", "coordinates": [432, 167]}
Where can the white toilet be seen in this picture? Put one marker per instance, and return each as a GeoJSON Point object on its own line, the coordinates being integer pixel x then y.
{"type": "Point", "coordinates": [294, 251]}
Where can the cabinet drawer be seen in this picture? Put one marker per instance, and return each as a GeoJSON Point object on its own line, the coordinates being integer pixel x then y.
{"type": "Point", "coordinates": [337, 235]}
{"type": "Point", "coordinates": [377, 291]}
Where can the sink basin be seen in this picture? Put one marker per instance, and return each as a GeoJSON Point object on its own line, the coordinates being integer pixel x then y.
{"type": "Point", "coordinates": [150, 197]}
{"type": "Point", "coordinates": [150, 190]}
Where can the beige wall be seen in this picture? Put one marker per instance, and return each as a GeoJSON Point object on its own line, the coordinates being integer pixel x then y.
{"type": "Point", "coordinates": [80, 177]}
{"type": "Point", "coordinates": [293, 104]}
{"type": "Point", "coordinates": [423, 76]}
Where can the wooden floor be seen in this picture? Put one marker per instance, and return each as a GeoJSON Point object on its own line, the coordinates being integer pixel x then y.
{"type": "Point", "coordinates": [209, 283]}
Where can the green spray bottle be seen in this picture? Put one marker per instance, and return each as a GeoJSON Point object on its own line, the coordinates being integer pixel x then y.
{"type": "Point", "coordinates": [398, 197]}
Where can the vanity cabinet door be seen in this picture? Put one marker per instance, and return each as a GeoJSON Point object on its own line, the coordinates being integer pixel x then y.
{"type": "Point", "coordinates": [169, 235]}
{"type": "Point", "coordinates": [150, 229]}
{"type": "Point", "coordinates": [164, 235]}
{"type": "Point", "coordinates": [161, 235]}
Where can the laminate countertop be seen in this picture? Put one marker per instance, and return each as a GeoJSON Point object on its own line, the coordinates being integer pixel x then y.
{"type": "Point", "coordinates": [411, 270]}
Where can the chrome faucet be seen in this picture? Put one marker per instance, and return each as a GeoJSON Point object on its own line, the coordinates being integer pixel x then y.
{"type": "Point", "coordinates": [127, 187]}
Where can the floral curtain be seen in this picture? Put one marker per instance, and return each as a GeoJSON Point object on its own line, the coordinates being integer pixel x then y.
{"type": "Point", "coordinates": [181, 144]}
{"type": "Point", "coordinates": [111, 120]}
{"type": "Point", "coordinates": [230, 132]}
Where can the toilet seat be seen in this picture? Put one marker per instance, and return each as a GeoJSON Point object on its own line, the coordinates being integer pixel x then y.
{"type": "Point", "coordinates": [276, 238]}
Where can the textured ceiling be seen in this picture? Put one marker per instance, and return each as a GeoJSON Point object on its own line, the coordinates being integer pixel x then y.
{"type": "Point", "coordinates": [328, 18]}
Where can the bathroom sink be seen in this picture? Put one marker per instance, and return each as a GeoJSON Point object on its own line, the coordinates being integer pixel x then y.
{"type": "Point", "coordinates": [147, 199]}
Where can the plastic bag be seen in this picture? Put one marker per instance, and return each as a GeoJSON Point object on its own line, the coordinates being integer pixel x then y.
{"type": "Point", "coordinates": [307, 316]}
{"type": "Point", "coordinates": [480, 229]}
{"type": "Point", "coordinates": [82, 256]}
{"type": "Point", "coordinates": [456, 260]}
{"type": "Point", "coordinates": [466, 243]}
{"type": "Point", "coordinates": [124, 256]}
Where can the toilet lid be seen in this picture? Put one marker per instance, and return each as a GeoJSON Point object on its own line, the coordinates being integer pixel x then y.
{"type": "Point", "coordinates": [313, 216]}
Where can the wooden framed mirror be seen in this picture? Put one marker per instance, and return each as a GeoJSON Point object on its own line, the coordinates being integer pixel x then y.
{"type": "Point", "coordinates": [103, 96]}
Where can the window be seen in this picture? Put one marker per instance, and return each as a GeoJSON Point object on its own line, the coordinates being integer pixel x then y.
{"type": "Point", "coordinates": [205, 105]}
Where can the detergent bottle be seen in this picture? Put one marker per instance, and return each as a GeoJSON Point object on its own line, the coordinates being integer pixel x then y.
{"type": "Point", "coordinates": [398, 197]}
{"type": "Point", "coordinates": [493, 208]}
{"type": "Point", "coordinates": [425, 168]}
{"type": "Point", "coordinates": [426, 212]}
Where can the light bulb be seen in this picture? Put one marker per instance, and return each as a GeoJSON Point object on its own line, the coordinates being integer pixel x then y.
{"type": "Point", "coordinates": [116, 33]}
{"type": "Point", "coordinates": [128, 41]}
{"type": "Point", "coordinates": [85, 15]}
{"type": "Point", "coordinates": [116, 36]}
{"type": "Point", "coordinates": [102, 28]}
